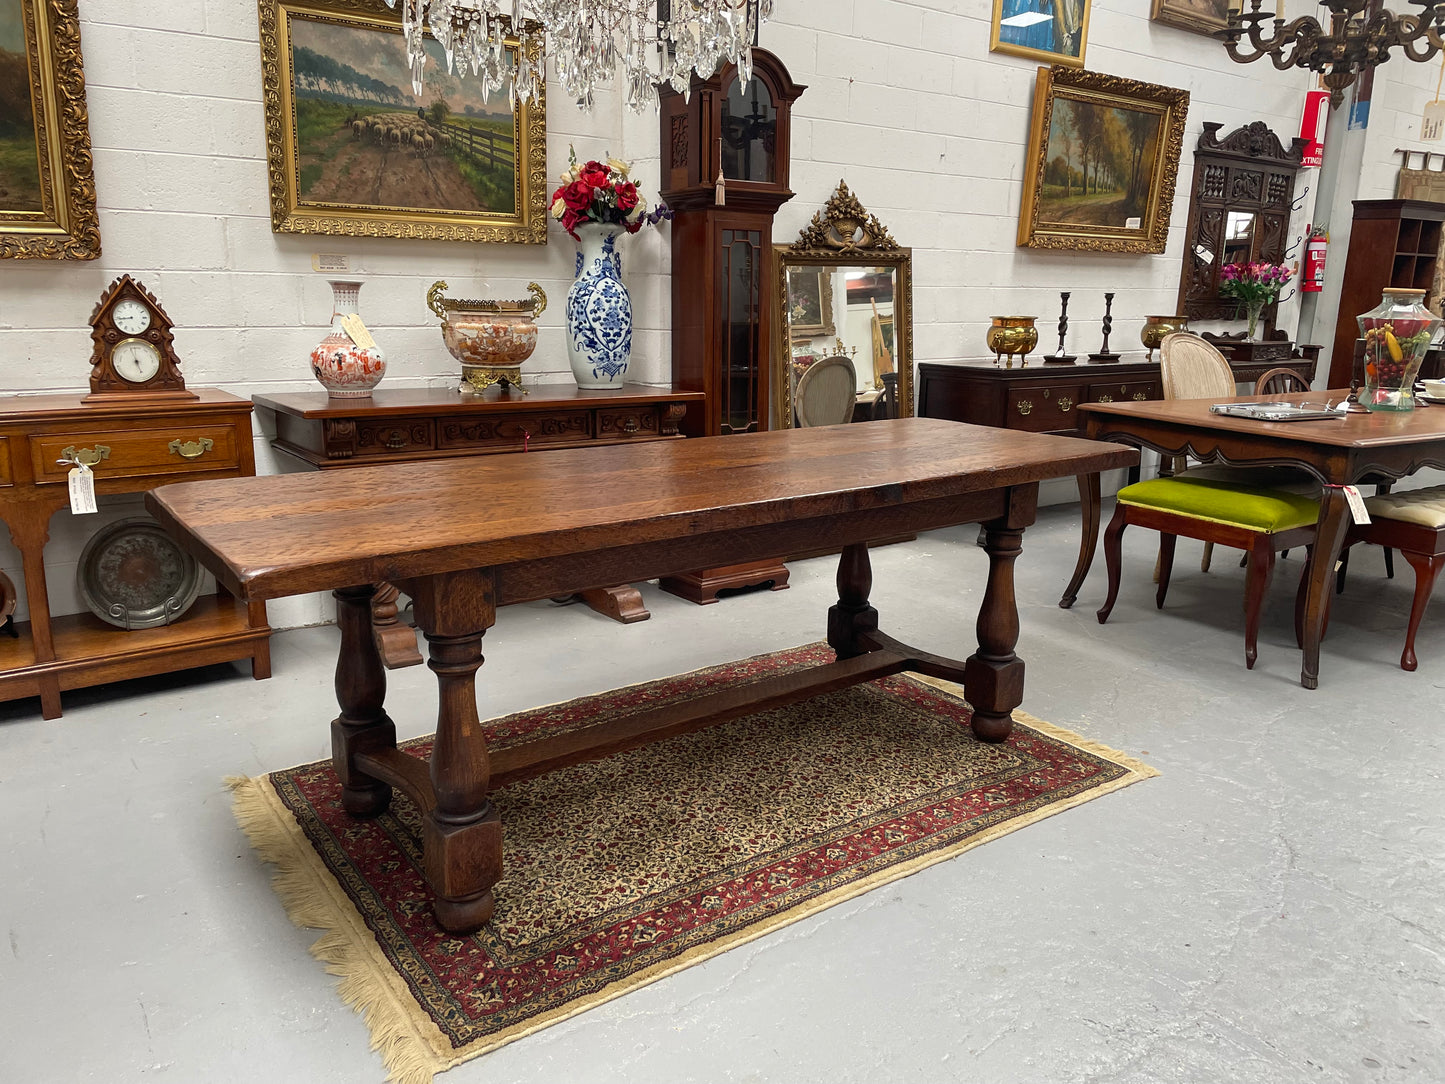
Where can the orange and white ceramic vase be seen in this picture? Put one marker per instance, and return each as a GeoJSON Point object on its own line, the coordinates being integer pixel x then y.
{"type": "Point", "coordinates": [346, 368]}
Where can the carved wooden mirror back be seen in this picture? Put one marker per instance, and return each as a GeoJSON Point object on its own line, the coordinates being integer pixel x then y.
{"type": "Point", "coordinates": [844, 288]}
{"type": "Point", "coordinates": [1239, 212]}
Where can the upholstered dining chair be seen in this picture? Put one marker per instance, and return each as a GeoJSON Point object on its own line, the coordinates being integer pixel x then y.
{"type": "Point", "coordinates": [1257, 520]}
{"type": "Point", "coordinates": [827, 392]}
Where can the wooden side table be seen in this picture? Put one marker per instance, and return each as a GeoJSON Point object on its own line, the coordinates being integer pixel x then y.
{"type": "Point", "coordinates": [52, 654]}
{"type": "Point", "coordinates": [400, 425]}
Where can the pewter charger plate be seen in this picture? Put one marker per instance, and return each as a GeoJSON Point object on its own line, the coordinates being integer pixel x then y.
{"type": "Point", "coordinates": [134, 576]}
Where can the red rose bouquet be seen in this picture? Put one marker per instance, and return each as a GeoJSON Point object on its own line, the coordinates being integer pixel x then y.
{"type": "Point", "coordinates": [602, 192]}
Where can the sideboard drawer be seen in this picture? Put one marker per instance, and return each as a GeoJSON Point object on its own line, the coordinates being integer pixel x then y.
{"type": "Point", "coordinates": [392, 435]}
{"type": "Point", "coordinates": [135, 453]}
{"type": "Point", "coordinates": [1125, 391]}
{"type": "Point", "coordinates": [1043, 410]}
{"type": "Point", "coordinates": [514, 431]}
{"type": "Point", "coordinates": [626, 424]}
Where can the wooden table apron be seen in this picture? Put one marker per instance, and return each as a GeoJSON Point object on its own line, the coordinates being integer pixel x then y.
{"type": "Point", "coordinates": [509, 528]}
{"type": "Point", "coordinates": [1338, 453]}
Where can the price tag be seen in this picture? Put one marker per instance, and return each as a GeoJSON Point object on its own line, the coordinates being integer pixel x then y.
{"type": "Point", "coordinates": [356, 331]}
{"type": "Point", "coordinates": [1357, 504]}
{"type": "Point", "coordinates": [82, 490]}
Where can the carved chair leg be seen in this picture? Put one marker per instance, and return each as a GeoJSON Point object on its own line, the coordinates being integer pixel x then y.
{"type": "Point", "coordinates": [1427, 568]}
{"type": "Point", "coordinates": [1299, 599]}
{"type": "Point", "coordinates": [1113, 548]}
{"type": "Point", "coordinates": [1166, 568]}
{"type": "Point", "coordinates": [1344, 568]}
{"type": "Point", "coordinates": [1207, 558]}
{"type": "Point", "coordinates": [1256, 586]}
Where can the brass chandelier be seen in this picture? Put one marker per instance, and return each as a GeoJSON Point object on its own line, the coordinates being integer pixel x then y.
{"type": "Point", "coordinates": [1361, 35]}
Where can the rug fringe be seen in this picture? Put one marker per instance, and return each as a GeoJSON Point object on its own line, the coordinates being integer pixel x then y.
{"type": "Point", "coordinates": [313, 901]}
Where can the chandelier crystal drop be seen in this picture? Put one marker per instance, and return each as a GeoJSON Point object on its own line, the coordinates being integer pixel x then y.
{"type": "Point", "coordinates": [1360, 36]}
{"type": "Point", "coordinates": [652, 42]}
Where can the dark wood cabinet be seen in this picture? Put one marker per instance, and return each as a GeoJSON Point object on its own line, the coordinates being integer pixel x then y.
{"type": "Point", "coordinates": [1045, 398]}
{"type": "Point", "coordinates": [1393, 243]}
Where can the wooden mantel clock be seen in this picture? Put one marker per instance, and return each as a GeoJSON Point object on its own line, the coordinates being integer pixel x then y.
{"type": "Point", "coordinates": [134, 360]}
{"type": "Point", "coordinates": [725, 174]}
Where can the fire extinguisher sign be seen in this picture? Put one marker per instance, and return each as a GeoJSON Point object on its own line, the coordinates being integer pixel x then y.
{"type": "Point", "coordinates": [1312, 127]}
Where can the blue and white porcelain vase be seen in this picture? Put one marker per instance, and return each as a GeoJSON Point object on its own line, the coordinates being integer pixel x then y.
{"type": "Point", "coordinates": [599, 310]}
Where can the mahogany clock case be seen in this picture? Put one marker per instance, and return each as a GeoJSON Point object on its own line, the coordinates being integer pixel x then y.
{"type": "Point", "coordinates": [134, 357]}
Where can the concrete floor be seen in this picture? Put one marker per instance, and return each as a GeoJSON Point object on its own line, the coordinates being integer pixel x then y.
{"type": "Point", "coordinates": [1270, 909]}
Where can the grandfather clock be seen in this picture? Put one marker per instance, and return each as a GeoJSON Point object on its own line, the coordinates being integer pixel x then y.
{"type": "Point", "coordinates": [725, 174]}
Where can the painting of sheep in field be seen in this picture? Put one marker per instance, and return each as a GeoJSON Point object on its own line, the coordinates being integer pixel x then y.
{"type": "Point", "coordinates": [19, 162]}
{"type": "Point", "coordinates": [354, 150]}
{"type": "Point", "coordinates": [363, 137]}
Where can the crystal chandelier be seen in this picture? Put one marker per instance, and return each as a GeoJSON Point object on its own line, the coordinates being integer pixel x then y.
{"type": "Point", "coordinates": [1360, 36]}
{"type": "Point", "coordinates": [652, 41]}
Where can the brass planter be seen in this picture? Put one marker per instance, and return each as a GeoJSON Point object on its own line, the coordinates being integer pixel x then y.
{"type": "Point", "coordinates": [1012, 336]}
{"type": "Point", "coordinates": [490, 338]}
{"type": "Point", "coordinates": [1156, 327]}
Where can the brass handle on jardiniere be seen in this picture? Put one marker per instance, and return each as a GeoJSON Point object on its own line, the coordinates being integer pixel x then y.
{"type": "Point", "coordinates": [1025, 406]}
{"type": "Point", "coordinates": [191, 449]}
{"type": "Point", "coordinates": [83, 457]}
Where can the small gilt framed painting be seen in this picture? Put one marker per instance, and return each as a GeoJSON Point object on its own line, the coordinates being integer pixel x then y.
{"type": "Point", "coordinates": [1102, 162]}
{"type": "Point", "coordinates": [1053, 31]}
{"type": "Point", "coordinates": [354, 150]}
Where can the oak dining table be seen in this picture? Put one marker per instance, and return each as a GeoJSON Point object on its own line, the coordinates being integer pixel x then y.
{"type": "Point", "coordinates": [1340, 451]}
{"type": "Point", "coordinates": [463, 537]}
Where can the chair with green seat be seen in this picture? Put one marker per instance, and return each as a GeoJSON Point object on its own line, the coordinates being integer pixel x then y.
{"type": "Point", "coordinates": [1258, 520]}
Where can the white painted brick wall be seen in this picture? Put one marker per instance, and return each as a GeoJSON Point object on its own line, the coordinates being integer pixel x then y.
{"type": "Point", "coordinates": [904, 102]}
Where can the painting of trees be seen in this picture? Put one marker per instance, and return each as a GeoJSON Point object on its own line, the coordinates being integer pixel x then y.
{"type": "Point", "coordinates": [1099, 163]}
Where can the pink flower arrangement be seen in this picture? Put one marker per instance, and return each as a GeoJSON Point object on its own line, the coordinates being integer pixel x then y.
{"type": "Point", "coordinates": [602, 192]}
{"type": "Point", "coordinates": [1258, 283]}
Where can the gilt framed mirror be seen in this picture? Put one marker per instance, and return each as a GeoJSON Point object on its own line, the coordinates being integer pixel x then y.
{"type": "Point", "coordinates": [844, 301]}
{"type": "Point", "coordinates": [1239, 211]}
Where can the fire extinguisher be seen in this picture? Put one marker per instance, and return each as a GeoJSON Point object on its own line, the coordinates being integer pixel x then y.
{"type": "Point", "coordinates": [1313, 280]}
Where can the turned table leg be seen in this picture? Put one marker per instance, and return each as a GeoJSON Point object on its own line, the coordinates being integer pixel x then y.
{"type": "Point", "coordinates": [462, 835]}
{"type": "Point", "coordinates": [852, 616]}
{"type": "Point", "coordinates": [363, 725]}
{"type": "Point", "coordinates": [993, 676]}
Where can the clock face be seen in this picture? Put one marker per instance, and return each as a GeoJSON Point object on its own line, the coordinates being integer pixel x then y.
{"type": "Point", "coordinates": [131, 317]}
{"type": "Point", "coordinates": [135, 360]}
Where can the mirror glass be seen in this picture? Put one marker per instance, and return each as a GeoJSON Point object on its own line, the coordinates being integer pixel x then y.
{"type": "Point", "coordinates": [749, 132]}
{"type": "Point", "coordinates": [1239, 237]}
{"type": "Point", "coordinates": [843, 312]}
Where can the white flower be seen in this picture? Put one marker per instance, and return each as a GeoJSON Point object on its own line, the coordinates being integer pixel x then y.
{"type": "Point", "coordinates": [559, 208]}
{"type": "Point", "coordinates": [636, 212]}
{"type": "Point", "coordinates": [622, 168]}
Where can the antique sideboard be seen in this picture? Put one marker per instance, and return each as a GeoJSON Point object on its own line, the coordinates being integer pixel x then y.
{"type": "Point", "coordinates": [403, 425]}
{"type": "Point", "coordinates": [1040, 398]}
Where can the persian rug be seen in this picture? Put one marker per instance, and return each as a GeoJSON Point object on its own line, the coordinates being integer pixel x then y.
{"type": "Point", "coordinates": [624, 870]}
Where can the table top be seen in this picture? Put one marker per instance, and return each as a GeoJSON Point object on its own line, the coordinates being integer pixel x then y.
{"type": "Point", "coordinates": [399, 402]}
{"type": "Point", "coordinates": [287, 534]}
{"type": "Point", "coordinates": [1375, 429]}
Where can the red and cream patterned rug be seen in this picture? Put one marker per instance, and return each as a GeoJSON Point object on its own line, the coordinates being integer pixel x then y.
{"type": "Point", "coordinates": [621, 871]}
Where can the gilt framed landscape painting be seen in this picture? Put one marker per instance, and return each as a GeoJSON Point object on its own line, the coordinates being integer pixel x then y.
{"type": "Point", "coordinates": [47, 185]}
{"type": "Point", "coordinates": [354, 150]}
{"type": "Point", "coordinates": [1201, 16]}
{"type": "Point", "coordinates": [1102, 162]}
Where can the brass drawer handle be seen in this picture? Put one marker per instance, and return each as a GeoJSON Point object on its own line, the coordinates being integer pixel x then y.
{"type": "Point", "coordinates": [88, 457]}
{"type": "Point", "coordinates": [630, 426]}
{"type": "Point", "coordinates": [395, 439]}
{"type": "Point", "coordinates": [1065, 403]}
{"type": "Point", "coordinates": [1140, 396]}
{"type": "Point", "coordinates": [1106, 398]}
{"type": "Point", "coordinates": [1025, 406]}
{"type": "Point", "coordinates": [191, 449]}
